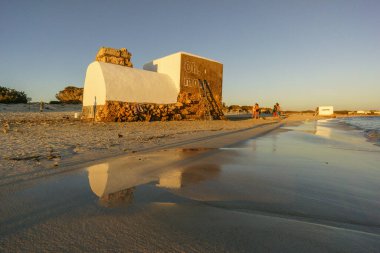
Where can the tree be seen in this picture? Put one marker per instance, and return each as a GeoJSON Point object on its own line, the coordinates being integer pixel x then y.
{"type": "Point", "coordinates": [234, 108]}
{"type": "Point", "coordinates": [247, 108]}
{"type": "Point", "coordinates": [12, 96]}
{"type": "Point", "coordinates": [70, 95]}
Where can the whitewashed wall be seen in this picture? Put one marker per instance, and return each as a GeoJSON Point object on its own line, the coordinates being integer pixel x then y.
{"type": "Point", "coordinates": [110, 82]}
{"type": "Point", "coordinates": [106, 178]}
{"type": "Point", "coordinates": [169, 65]}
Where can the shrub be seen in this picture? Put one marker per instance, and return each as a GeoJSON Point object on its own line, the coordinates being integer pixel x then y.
{"type": "Point", "coordinates": [247, 108]}
{"type": "Point", "coordinates": [341, 112]}
{"type": "Point", "coordinates": [234, 108]}
{"type": "Point", "coordinates": [12, 96]}
{"type": "Point", "coordinates": [53, 102]}
{"type": "Point", "coordinates": [70, 95]}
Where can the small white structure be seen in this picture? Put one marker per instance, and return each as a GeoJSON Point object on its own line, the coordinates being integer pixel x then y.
{"type": "Point", "coordinates": [325, 110]}
{"type": "Point", "coordinates": [111, 82]}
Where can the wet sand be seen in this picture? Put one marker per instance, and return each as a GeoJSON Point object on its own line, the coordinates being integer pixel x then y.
{"type": "Point", "coordinates": [36, 144]}
{"type": "Point", "coordinates": [299, 188]}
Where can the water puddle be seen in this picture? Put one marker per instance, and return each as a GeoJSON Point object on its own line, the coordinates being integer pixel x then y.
{"type": "Point", "coordinates": [284, 175]}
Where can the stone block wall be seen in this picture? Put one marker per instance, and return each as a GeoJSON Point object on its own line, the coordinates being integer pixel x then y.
{"type": "Point", "coordinates": [115, 56]}
{"type": "Point", "coordinates": [191, 108]}
{"type": "Point", "coordinates": [194, 68]}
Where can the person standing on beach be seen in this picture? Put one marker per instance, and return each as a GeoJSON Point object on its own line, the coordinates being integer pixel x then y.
{"type": "Point", "coordinates": [275, 110]}
{"type": "Point", "coordinates": [256, 111]}
{"type": "Point", "coordinates": [42, 106]}
{"type": "Point", "coordinates": [278, 109]}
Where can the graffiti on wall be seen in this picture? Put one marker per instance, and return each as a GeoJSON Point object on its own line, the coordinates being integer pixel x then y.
{"type": "Point", "coordinates": [195, 68]}
{"type": "Point", "coordinates": [192, 69]}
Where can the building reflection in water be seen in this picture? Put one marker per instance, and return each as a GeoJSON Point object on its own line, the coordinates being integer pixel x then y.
{"type": "Point", "coordinates": [191, 175]}
{"type": "Point", "coordinates": [112, 186]}
{"type": "Point", "coordinates": [199, 173]}
{"type": "Point", "coordinates": [114, 183]}
{"type": "Point", "coordinates": [323, 131]}
{"type": "Point", "coordinates": [170, 179]}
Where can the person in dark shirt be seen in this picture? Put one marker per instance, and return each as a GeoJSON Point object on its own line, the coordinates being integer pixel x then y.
{"type": "Point", "coordinates": [256, 111]}
{"type": "Point", "coordinates": [275, 110]}
{"type": "Point", "coordinates": [278, 109]}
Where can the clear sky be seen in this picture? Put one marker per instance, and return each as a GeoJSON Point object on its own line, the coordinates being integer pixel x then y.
{"type": "Point", "coordinates": [299, 53]}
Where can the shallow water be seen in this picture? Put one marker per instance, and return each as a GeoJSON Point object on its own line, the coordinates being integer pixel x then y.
{"type": "Point", "coordinates": [368, 126]}
{"type": "Point", "coordinates": [312, 187]}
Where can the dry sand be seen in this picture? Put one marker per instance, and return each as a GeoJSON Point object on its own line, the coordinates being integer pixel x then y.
{"type": "Point", "coordinates": [39, 143]}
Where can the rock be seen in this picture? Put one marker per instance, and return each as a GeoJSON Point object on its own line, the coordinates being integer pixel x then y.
{"type": "Point", "coordinates": [111, 59]}
{"type": "Point", "coordinates": [128, 64]}
{"type": "Point", "coordinates": [184, 112]}
{"type": "Point", "coordinates": [130, 112]}
{"type": "Point", "coordinates": [125, 54]}
{"type": "Point", "coordinates": [177, 117]}
{"type": "Point", "coordinates": [108, 51]}
{"type": "Point", "coordinates": [115, 56]}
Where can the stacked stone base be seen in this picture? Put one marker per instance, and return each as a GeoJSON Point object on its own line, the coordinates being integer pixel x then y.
{"type": "Point", "coordinates": [115, 111]}
{"type": "Point", "coordinates": [115, 56]}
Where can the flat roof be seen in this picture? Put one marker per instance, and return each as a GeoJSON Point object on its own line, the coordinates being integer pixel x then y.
{"type": "Point", "coordinates": [194, 55]}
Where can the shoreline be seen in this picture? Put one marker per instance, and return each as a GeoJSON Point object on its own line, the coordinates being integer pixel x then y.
{"type": "Point", "coordinates": [303, 182]}
{"type": "Point", "coordinates": [205, 141]}
{"type": "Point", "coordinates": [39, 144]}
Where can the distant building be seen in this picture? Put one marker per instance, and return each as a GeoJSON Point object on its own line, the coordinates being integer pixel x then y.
{"type": "Point", "coordinates": [363, 112]}
{"type": "Point", "coordinates": [325, 110]}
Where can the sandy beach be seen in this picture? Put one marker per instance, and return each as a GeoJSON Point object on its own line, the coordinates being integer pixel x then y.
{"type": "Point", "coordinates": [222, 186]}
{"type": "Point", "coordinates": [38, 143]}
{"type": "Point", "coordinates": [183, 126]}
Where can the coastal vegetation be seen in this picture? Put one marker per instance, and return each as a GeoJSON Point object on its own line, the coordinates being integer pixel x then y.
{"type": "Point", "coordinates": [70, 95]}
{"type": "Point", "coordinates": [12, 96]}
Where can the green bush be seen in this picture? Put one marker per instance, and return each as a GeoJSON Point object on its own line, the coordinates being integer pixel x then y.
{"type": "Point", "coordinates": [12, 96]}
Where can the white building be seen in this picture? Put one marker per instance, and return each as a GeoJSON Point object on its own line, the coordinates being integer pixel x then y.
{"type": "Point", "coordinates": [363, 112]}
{"type": "Point", "coordinates": [162, 82]}
{"type": "Point", "coordinates": [111, 82]}
{"type": "Point", "coordinates": [325, 110]}
{"type": "Point", "coordinates": [185, 68]}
